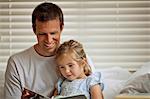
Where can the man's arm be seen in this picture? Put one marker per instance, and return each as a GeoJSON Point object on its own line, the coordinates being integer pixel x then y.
{"type": "Point", "coordinates": [12, 85]}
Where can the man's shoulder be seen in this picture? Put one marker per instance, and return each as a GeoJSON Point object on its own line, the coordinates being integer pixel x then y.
{"type": "Point", "coordinates": [22, 53]}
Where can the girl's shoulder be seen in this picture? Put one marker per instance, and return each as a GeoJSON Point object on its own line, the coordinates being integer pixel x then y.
{"type": "Point", "coordinates": [96, 76]}
{"type": "Point", "coordinates": [93, 79]}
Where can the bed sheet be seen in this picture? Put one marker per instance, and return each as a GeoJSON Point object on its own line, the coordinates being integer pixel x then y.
{"type": "Point", "coordinates": [139, 82]}
{"type": "Point", "coordinates": [114, 79]}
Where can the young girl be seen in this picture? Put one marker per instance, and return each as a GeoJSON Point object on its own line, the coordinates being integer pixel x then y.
{"type": "Point", "coordinates": [76, 72]}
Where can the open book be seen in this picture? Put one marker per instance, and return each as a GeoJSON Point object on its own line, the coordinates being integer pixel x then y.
{"type": "Point", "coordinates": [80, 96]}
{"type": "Point", "coordinates": [29, 94]}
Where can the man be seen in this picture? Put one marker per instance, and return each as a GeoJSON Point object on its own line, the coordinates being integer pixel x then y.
{"type": "Point", "coordinates": [34, 68]}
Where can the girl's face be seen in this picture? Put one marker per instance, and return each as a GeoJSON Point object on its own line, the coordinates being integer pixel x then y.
{"type": "Point", "coordinates": [70, 68]}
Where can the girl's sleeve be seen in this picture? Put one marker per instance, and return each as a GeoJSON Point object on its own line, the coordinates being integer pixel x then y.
{"type": "Point", "coordinates": [94, 79]}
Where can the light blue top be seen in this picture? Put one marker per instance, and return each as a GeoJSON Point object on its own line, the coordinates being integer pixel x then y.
{"type": "Point", "coordinates": [79, 86]}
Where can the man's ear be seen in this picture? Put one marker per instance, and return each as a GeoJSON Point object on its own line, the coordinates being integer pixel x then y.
{"type": "Point", "coordinates": [62, 27]}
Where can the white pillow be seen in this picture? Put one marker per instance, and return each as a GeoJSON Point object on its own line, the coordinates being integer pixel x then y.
{"type": "Point", "coordinates": [112, 88]}
{"type": "Point", "coordinates": [139, 82]}
{"type": "Point", "coordinates": [141, 71]}
{"type": "Point", "coordinates": [114, 79]}
{"type": "Point", "coordinates": [117, 73]}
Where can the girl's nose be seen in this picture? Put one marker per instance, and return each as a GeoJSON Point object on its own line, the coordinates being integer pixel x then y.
{"type": "Point", "coordinates": [67, 71]}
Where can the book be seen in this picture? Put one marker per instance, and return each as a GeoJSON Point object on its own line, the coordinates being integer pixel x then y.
{"type": "Point", "coordinates": [29, 94]}
{"type": "Point", "coordinates": [77, 96]}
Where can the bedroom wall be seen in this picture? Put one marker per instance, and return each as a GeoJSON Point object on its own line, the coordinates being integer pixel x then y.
{"type": "Point", "coordinates": [113, 32]}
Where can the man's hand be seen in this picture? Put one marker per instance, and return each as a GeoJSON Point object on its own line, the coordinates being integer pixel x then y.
{"type": "Point", "coordinates": [27, 94]}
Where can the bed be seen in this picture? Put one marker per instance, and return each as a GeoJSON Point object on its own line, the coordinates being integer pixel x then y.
{"type": "Point", "coordinates": [115, 79]}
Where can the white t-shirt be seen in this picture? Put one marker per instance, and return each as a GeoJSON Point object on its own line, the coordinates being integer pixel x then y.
{"type": "Point", "coordinates": [28, 69]}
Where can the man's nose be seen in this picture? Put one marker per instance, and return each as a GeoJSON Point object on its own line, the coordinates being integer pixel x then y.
{"type": "Point", "coordinates": [49, 37]}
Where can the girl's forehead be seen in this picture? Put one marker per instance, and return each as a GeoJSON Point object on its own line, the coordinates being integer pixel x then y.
{"type": "Point", "coordinates": [65, 59]}
{"type": "Point", "coordinates": [65, 56]}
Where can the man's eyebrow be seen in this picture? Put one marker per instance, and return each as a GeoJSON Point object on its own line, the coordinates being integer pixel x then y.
{"type": "Point", "coordinates": [54, 31]}
{"type": "Point", "coordinates": [40, 33]}
{"type": "Point", "coordinates": [48, 32]}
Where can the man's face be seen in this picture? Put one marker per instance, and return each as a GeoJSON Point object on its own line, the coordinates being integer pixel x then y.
{"type": "Point", "coordinates": [48, 36]}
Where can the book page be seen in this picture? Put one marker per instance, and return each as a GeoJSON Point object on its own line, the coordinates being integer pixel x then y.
{"type": "Point", "coordinates": [81, 96]}
{"type": "Point", "coordinates": [29, 94]}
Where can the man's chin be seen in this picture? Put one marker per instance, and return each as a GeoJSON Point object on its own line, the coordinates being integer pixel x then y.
{"type": "Point", "coordinates": [51, 51]}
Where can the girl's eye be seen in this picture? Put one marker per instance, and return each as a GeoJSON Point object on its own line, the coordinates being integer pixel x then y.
{"type": "Point", "coordinates": [61, 67]}
{"type": "Point", "coordinates": [70, 65]}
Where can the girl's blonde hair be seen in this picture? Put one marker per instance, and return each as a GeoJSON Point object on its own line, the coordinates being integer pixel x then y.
{"type": "Point", "coordinates": [76, 51]}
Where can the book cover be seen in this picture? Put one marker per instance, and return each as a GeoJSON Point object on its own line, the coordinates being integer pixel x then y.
{"type": "Point", "coordinates": [29, 94]}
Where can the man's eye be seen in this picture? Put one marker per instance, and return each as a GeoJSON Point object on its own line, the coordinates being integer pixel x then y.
{"type": "Point", "coordinates": [53, 33]}
{"type": "Point", "coordinates": [41, 33]}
